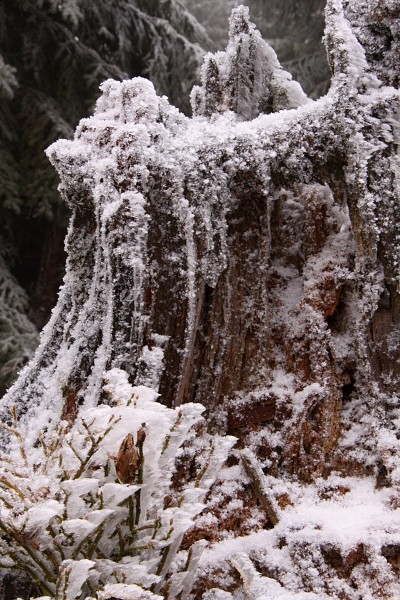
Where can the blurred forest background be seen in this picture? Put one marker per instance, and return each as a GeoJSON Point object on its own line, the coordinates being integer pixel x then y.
{"type": "Point", "coordinates": [53, 56]}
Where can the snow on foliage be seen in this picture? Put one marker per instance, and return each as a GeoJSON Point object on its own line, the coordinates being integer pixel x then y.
{"type": "Point", "coordinates": [95, 502]}
{"type": "Point", "coordinates": [68, 9]}
{"type": "Point", "coordinates": [18, 335]}
{"type": "Point", "coordinates": [8, 80]}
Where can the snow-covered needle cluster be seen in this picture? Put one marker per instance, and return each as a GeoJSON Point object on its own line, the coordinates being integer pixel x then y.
{"type": "Point", "coordinates": [93, 504]}
{"type": "Point", "coordinates": [18, 335]}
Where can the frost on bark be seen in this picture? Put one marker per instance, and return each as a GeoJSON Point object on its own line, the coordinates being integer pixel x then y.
{"type": "Point", "coordinates": [53, 56]}
{"type": "Point", "coordinates": [251, 266]}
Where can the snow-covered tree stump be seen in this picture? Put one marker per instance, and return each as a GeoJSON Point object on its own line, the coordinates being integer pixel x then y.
{"type": "Point", "coordinates": [248, 259]}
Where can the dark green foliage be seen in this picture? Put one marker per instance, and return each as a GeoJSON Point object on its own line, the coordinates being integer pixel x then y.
{"type": "Point", "coordinates": [18, 336]}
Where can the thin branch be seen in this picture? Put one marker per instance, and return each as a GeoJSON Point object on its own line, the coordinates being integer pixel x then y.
{"type": "Point", "coordinates": [256, 476]}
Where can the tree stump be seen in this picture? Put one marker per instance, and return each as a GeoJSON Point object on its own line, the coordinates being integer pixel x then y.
{"type": "Point", "coordinates": [246, 258]}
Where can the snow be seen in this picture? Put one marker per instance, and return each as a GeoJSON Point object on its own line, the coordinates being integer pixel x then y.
{"type": "Point", "coordinates": [78, 572]}
{"type": "Point", "coordinates": [36, 520]}
{"type": "Point", "coordinates": [79, 467]}
{"type": "Point", "coordinates": [360, 515]}
{"type": "Point", "coordinates": [138, 157]}
{"type": "Point", "coordinates": [247, 78]}
{"type": "Point", "coordinates": [338, 512]}
{"type": "Point", "coordinates": [126, 592]}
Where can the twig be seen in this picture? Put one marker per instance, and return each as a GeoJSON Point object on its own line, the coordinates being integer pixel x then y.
{"type": "Point", "coordinates": [57, 546]}
{"type": "Point", "coordinates": [168, 437]}
{"type": "Point", "coordinates": [81, 460]}
{"type": "Point", "coordinates": [19, 436]}
{"type": "Point", "coordinates": [13, 534]}
{"type": "Point", "coordinates": [256, 476]}
{"type": "Point", "coordinates": [13, 487]}
{"type": "Point", "coordinates": [93, 545]}
{"type": "Point", "coordinates": [204, 469]}
{"type": "Point", "coordinates": [85, 540]}
{"type": "Point", "coordinates": [24, 567]}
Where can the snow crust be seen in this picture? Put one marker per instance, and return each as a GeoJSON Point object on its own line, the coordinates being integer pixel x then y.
{"type": "Point", "coordinates": [339, 513]}
{"type": "Point", "coordinates": [247, 78]}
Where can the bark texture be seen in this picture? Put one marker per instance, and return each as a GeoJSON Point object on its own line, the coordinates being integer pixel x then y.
{"type": "Point", "coordinates": [251, 266]}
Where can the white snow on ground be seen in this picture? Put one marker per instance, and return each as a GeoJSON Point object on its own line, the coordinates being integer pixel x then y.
{"type": "Point", "coordinates": [337, 512]}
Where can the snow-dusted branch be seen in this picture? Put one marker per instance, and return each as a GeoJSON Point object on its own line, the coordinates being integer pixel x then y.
{"type": "Point", "coordinates": [88, 505]}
